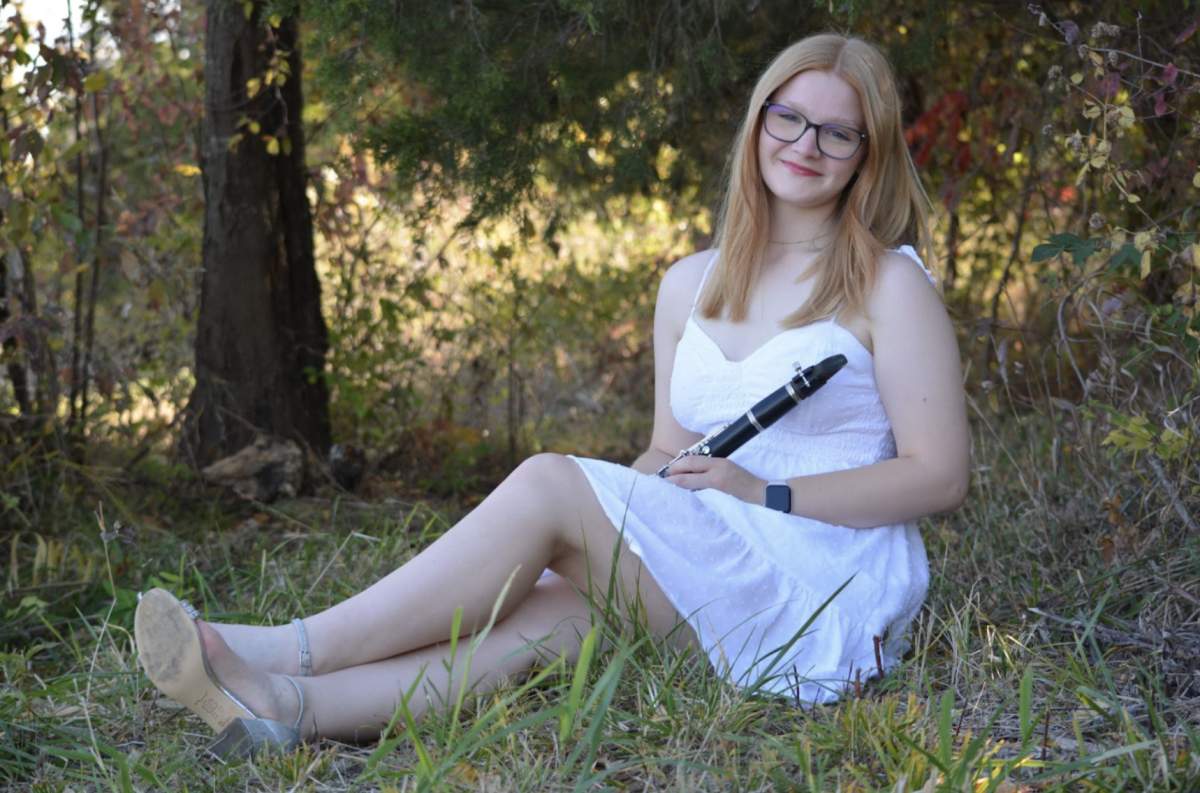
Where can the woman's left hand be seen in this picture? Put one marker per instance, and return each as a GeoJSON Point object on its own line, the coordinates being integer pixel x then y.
{"type": "Point", "coordinates": [698, 472]}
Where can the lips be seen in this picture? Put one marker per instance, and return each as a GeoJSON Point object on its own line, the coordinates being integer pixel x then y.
{"type": "Point", "coordinates": [798, 169]}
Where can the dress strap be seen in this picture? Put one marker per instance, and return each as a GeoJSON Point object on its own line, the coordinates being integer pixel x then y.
{"type": "Point", "coordinates": [911, 253]}
{"type": "Point", "coordinates": [704, 280]}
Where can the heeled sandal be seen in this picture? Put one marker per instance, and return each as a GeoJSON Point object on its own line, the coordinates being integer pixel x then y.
{"type": "Point", "coordinates": [251, 737]}
{"type": "Point", "coordinates": [172, 653]}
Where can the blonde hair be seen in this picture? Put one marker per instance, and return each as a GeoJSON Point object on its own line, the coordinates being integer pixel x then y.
{"type": "Point", "coordinates": [883, 206]}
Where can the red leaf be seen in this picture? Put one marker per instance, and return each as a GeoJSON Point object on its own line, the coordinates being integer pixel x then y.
{"type": "Point", "coordinates": [1160, 104]}
{"type": "Point", "coordinates": [1169, 74]}
{"type": "Point", "coordinates": [962, 160]}
{"type": "Point", "coordinates": [1187, 34]}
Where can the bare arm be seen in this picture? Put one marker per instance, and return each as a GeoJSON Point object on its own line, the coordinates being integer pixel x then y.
{"type": "Point", "coordinates": [918, 372]}
{"type": "Point", "coordinates": [675, 297]}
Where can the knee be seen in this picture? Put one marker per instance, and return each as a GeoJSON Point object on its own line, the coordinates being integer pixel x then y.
{"type": "Point", "coordinates": [551, 478]}
{"type": "Point", "coordinates": [547, 471]}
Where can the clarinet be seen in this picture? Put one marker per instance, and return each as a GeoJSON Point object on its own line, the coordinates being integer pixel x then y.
{"type": "Point", "coordinates": [770, 409]}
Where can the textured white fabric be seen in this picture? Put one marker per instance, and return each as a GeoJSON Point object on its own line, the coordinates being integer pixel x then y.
{"type": "Point", "coordinates": [748, 579]}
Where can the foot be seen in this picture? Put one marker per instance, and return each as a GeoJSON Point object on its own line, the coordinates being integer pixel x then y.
{"type": "Point", "coordinates": [268, 696]}
{"type": "Point", "coordinates": [274, 649]}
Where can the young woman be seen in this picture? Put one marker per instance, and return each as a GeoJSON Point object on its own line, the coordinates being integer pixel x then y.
{"type": "Point", "coordinates": [814, 258]}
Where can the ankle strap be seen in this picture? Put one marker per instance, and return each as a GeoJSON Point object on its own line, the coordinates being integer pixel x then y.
{"type": "Point", "coordinates": [299, 727]}
{"type": "Point", "coordinates": [306, 669]}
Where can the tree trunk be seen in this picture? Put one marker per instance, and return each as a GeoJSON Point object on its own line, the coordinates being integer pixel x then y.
{"type": "Point", "coordinates": [260, 337]}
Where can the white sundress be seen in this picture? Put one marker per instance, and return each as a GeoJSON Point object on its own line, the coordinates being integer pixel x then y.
{"type": "Point", "coordinates": [747, 578]}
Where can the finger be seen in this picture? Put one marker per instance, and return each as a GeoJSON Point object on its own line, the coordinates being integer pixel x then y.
{"type": "Point", "coordinates": [689, 481]}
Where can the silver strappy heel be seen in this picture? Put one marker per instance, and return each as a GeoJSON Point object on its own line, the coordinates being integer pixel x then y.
{"type": "Point", "coordinates": [248, 738]}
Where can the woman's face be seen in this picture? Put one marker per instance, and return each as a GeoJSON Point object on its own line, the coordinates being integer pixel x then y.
{"type": "Point", "coordinates": [799, 174]}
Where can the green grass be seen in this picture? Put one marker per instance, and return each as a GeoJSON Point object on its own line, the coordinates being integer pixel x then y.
{"type": "Point", "coordinates": [1057, 651]}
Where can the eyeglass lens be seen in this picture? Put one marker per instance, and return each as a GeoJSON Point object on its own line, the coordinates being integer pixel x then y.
{"type": "Point", "coordinates": [833, 140]}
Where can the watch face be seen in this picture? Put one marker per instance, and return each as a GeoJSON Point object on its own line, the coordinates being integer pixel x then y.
{"type": "Point", "coordinates": [779, 497]}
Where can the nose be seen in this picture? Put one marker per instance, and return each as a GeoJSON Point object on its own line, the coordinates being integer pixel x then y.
{"type": "Point", "coordinates": [810, 147]}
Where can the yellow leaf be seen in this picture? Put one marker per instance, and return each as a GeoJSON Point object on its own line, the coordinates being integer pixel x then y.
{"type": "Point", "coordinates": [234, 140]}
{"type": "Point", "coordinates": [253, 86]}
{"type": "Point", "coordinates": [255, 127]}
{"type": "Point", "coordinates": [1131, 198]}
{"type": "Point", "coordinates": [1141, 240]}
{"type": "Point", "coordinates": [1082, 173]}
{"type": "Point", "coordinates": [248, 10]}
{"type": "Point", "coordinates": [1145, 263]}
{"type": "Point", "coordinates": [275, 20]}
{"type": "Point", "coordinates": [1196, 255]}
{"type": "Point", "coordinates": [1092, 111]}
{"type": "Point", "coordinates": [96, 81]}
{"type": "Point", "coordinates": [1076, 78]}
{"type": "Point", "coordinates": [1098, 161]}
{"type": "Point", "coordinates": [1196, 180]}
{"type": "Point", "coordinates": [1096, 58]}
{"type": "Point", "coordinates": [186, 169]}
{"type": "Point", "coordinates": [273, 146]}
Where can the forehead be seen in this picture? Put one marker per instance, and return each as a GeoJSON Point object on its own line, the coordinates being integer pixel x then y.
{"type": "Point", "coordinates": [824, 96]}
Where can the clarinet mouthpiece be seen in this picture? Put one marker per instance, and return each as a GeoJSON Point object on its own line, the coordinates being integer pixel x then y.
{"type": "Point", "coordinates": [827, 368]}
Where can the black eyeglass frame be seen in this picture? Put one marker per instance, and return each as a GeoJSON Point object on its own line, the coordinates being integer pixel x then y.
{"type": "Point", "coordinates": [862, 136]}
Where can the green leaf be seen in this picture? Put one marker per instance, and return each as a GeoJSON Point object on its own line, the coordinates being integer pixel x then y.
{"type": "Point", "coordinates": [1128, 255]}
{"type": "Point", "coordinates": [1044, 251]}
{"type": "Point", "coordinates": [1083, 251]}
{"type": "Point", "coordinates": [1066, 241]}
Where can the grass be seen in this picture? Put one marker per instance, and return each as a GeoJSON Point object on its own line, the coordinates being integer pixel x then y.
{"type": "Point", "coordinates": [1057, 650]}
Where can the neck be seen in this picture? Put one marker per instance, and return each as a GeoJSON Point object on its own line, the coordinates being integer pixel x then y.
{"type": "Point", "coordinates": [808, 229]}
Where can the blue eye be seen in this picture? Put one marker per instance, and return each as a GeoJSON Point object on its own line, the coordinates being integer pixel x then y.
{"type": "Point", "coordinates": [839, 134]}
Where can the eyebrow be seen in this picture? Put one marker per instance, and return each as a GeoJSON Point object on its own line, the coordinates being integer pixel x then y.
{"type": "Point", "coordinates": [835, 120]}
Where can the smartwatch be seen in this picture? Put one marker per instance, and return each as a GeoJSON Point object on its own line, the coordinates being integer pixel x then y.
{"type": "Point", "coordinates": [778, 496]}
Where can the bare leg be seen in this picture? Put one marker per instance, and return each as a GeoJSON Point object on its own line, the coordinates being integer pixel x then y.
{"type": "Point", "coordinates": [544, 515]}
{"type": "Point", "coordinates": [355, 703]}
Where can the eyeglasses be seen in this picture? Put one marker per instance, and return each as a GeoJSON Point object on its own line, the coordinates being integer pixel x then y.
{"type": "Point", "coordinates": [833, 140]}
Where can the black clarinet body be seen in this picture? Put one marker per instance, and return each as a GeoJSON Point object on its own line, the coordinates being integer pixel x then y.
{"type": "Point", "coordinates": [765, 412]}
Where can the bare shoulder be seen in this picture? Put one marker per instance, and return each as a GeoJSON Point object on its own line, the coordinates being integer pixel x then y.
{"type": "Point", "coordinates": [902, 286]}
{"type": "Point", "coordinates": [677, 292]}
{"type": "Point", "coordinates": [682, 278]}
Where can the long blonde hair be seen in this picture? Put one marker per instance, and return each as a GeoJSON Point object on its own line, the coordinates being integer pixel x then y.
{"type": "Point", "coordinates": [882, 207]}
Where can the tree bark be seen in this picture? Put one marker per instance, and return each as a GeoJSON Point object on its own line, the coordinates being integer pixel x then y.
{"type": "Point", "coordinates": [260, 338]}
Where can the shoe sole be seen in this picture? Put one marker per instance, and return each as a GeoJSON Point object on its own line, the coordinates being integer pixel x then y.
{"type": "Point", "coordinates": [172, 654]}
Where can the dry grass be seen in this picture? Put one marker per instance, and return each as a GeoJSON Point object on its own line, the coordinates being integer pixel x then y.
{"type": "Point", "coordinates": [1058, 651]}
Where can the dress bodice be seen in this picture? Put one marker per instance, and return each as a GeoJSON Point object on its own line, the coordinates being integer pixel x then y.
{"type": "Point", "coordinates": [843, 425]}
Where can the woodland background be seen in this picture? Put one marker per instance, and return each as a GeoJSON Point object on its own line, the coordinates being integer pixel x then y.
{"type": "Point", "coordinates": [421, 241]}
